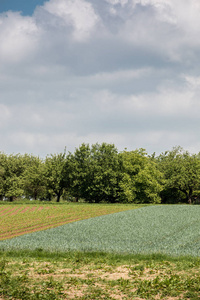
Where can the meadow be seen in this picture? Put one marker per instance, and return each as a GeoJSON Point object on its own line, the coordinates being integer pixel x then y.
{"type": "Point", "coordinates": [151, 252]}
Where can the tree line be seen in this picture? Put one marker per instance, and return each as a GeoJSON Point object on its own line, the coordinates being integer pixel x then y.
{"type": "Point", "coordinates": [99, 173]}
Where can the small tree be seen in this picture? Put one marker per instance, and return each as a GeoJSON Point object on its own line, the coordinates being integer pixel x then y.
{"type": "Point", "coordinates": [181, 171]}
{"type": "Point", "coordinates": [34, 181]}
{"type": "Point", "coordinates": [104, 174]}
{"type": "Point", "coordinates": [93, 173]}
{"type": "Point", "coordinates": [55, 174]}
{"type": "Point", "coordinates": [76, 170]}
{"type": "Point", "coordinates": [141, 180]}
{"type": "Point", "coordinates": [11, 173]}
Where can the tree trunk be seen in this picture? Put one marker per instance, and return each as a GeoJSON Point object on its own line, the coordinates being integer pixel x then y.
{"type": "Point", "coordinates": [49, 197]}
{"type": "Point", "coordinates": [58, 196]}
{"type": "Point", "coordinates": [190, 196]}
{"type": "Point", "coordinates": [35, 195]}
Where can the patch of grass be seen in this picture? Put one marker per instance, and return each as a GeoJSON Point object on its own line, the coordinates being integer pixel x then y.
{"type": "Point", "coordinates": [98, 276]}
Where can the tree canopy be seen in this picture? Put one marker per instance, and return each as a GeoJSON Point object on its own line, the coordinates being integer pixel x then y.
{"type": "Point", "coordinates": [100, 173]}
{"type": "Point", "coordinates": [181, 172]}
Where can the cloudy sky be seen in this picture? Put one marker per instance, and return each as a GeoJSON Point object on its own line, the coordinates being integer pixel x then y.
{"type": "Point", "coordinates": [84, 71]}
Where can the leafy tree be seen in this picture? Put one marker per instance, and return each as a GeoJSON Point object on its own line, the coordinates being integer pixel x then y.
{"type": "Point", "coordinates": [182, 173]}
{"type": "Point", "coordinates": [55, 174]}
{"type": "Point", "coordinates": [34, 181]}
{"type": "Point", "coordinates": [105, 173]}
{"type": "Point", "coordinates": [94, 172]}
{"type": "Point", "coordinates": [141, 180]}
{"type": "Point", "coordinates": [11, 173]}
{"type": "Point", "coordinates": [77, 170]}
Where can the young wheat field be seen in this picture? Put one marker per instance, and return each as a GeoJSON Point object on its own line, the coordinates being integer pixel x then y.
{"type": "Point", "coordinates": [171, 229]}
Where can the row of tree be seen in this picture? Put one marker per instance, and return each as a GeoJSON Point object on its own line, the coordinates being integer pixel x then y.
{"type": "Point", "coordinates": [99, 173]}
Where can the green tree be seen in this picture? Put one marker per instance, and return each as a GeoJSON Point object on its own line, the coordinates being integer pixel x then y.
{"type": "Point", "coordinates": [55, 174]}
{"type": "Point", "coordinates": [105, 173]}
{"type": "Point", "coordinates": [11, 174]}
{"type": "Point", "coordinates": [182, 174]}
{"type": "Point", "coordinates": [94, 172]}
{"type": "Point", "coordinates": [34, 181]}
{"type": "Point", "coordinates": [76, 170]}
{"type": "Point", "coordinates": [141, 180]}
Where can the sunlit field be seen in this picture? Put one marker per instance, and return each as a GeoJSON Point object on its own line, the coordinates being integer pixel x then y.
{"type": "Point", "coordinates": [111, 252]}
{"type": "Point", "coordinates": [171, 229]}
{"type": "Point", "coordinates": [20, 219]}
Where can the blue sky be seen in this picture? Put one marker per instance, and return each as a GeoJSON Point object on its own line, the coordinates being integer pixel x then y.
{"type": "Point", "coordinates": [86, 71]}
{"type": "Point", "coordinates": [27, 7]}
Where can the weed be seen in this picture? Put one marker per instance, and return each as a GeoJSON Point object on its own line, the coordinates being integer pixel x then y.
{"type": "Point", "coordinates": [161, 278]}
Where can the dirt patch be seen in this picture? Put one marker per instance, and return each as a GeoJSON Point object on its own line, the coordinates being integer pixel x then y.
{"type": "Point", "coordinates": [120, 272]}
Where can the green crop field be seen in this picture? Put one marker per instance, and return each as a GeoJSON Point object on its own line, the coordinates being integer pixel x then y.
{"type": "Point", "coordinates": [171, 230]}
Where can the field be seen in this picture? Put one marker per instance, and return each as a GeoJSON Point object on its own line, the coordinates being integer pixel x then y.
{"type": "Point", "coordinates": [172, 230]}
{"type": "Point", "coordinates": [151, 252]}
{"type": "Point", "coordinates": [19, 219]}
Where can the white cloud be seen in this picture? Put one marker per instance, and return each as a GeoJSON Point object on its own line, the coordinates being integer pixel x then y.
{"type": "Point", "coordinates": [18, 37]}
{"type": "Point", "coordinates": [76, 13]}
{"type": "Point", "coordinates": [193, 81]}
{"type": "Point", "coordinates": [114, 2]}
{"type": "Point", "coordinates": [119, 71]}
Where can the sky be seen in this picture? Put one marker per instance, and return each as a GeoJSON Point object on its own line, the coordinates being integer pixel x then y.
{"type": "Point", "coordinates": [124, 72]}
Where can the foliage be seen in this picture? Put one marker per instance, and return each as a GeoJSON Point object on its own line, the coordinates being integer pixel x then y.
{"type": "Point", "coordinates": [141, 181]}
{"type": "Point", "coordinates": [77, 169]}
{"type": "Point", "coordinates": [55, 174]}
{"type": "Point", "coordinates": [182, 173]}
{"type": "Point", "coordinates": [11, 173]}
{"type": "Point", "coordinates": [104, 174]}
{"type": "Point", "coordinates": [94, 173]}
{"type": "Point", "coordinates": [34, 180]}
{"type": "Point", "coordinates": [99, 173]}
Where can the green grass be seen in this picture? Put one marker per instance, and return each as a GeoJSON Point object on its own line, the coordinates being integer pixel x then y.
{"type": "Point", "coordinates": [37, 274]}
{"type": "Point", "coordinates": [172, 230]}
